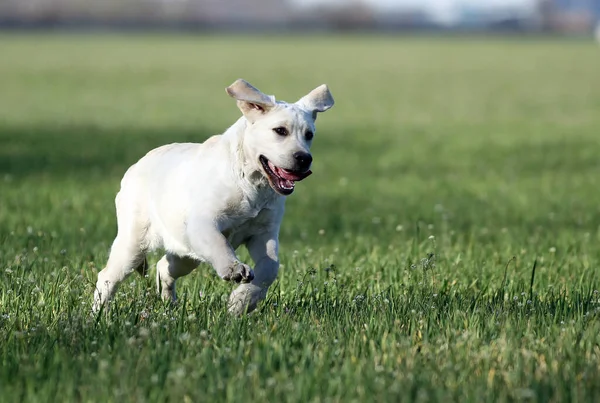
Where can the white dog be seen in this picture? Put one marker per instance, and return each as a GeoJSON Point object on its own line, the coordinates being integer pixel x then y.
{"type": "Point", "coordinates": [200, 202]}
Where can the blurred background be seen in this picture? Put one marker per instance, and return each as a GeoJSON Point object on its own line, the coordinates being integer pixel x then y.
{"type": "Point", "coordinates": [519, 16]}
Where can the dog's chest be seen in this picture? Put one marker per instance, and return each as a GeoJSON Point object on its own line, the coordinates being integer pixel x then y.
{"type": "Point", "coordinates": [245, 214]}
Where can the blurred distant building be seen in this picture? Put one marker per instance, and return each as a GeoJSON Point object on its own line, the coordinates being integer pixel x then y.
{"type": "Point", "coordinates": [570, 16]}
{"type": "Point", "coordinates": [244, 12]}
{"type": "Point", "coordinates": [352, 14]}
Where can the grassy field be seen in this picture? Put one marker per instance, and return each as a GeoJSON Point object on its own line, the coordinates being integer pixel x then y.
{"type": "Point", "coordinates": [446, 247]}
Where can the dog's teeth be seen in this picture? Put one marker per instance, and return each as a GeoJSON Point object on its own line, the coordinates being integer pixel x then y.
{"type": "Point", "coordinates": [286, 184]}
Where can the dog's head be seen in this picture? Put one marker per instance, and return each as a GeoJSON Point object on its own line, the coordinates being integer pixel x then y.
{"type": "Point", "coordinates": [278, 134]}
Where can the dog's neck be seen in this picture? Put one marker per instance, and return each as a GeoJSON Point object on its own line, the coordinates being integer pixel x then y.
{"type": "Point", "coordinates": [248, 170]}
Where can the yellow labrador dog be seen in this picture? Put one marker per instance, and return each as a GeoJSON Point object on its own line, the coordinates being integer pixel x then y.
{"type": "Point", "coordinates": [200, 202]}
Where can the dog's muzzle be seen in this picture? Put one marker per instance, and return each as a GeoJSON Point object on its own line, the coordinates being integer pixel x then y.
{"type": "Point", "coordinates": [282, 180]}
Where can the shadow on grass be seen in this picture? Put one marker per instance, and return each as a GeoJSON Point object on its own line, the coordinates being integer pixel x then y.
{"type": "Point", "coordinates": [65, 149]}
{"type": "Point", "coordinates": [404, 190]}
{"type": "Point", "coordinates": [78, 151]}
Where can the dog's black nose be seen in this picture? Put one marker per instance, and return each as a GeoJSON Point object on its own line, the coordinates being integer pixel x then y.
{"type": "Point", "coordinates": [303, 160]}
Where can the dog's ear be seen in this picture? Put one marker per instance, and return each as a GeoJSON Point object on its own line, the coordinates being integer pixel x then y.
{"type": "Point", "coordinates": [318, 100]}
{"type": "Point", "coordinates": [250, 100]}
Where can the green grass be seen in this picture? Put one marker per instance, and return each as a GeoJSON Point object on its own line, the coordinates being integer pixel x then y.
{"type": "Point", "coordinates": [446, 172]}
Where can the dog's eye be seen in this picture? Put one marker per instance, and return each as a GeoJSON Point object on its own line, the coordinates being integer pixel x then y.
{"type": "Point", "coordinates": [282, 131]}
{"type": "Point", "coordinates": [309, 135]}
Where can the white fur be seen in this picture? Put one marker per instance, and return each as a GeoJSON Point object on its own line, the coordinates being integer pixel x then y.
{"type": "Point", "coordinates": [200, 202]}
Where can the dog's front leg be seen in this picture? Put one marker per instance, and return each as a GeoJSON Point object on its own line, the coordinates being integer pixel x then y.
{"type": "Point", "coordinates": [209, 244]}
{"type": "Point", "coordinates": [263, 249]}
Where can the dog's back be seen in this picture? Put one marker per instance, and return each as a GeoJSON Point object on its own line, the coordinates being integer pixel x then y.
{"type": "Point", "coordinates": [151, 195]}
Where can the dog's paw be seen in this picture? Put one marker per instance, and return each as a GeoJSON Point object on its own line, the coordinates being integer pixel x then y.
{"type": "Point", "coordinates": [240, 273]}
{"type": "Point", "coordinates": [245, 298]}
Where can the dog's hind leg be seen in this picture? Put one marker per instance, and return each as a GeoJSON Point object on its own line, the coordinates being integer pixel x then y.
{"type": "Point", "coordinates": [127, 253]}
{"type": "Point", "coordinates": [168, 270]}
{"type": "Point", "coordinates": [125, 257]}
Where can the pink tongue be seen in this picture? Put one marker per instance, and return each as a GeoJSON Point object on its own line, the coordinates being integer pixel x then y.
{"type": "Point", "coordinates": [292, 176]}
{"type": "Point", "coordinates": [289, 175]}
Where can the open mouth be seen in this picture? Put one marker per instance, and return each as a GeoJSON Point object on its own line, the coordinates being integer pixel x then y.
{"type": "Point", "coordinates": [282, 180]}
